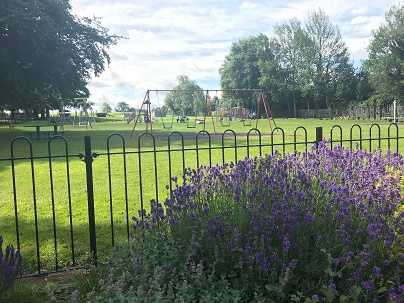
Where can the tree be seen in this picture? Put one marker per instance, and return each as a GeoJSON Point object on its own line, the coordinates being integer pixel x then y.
{"type": "Point", "coordinates": [122, 107]}
{"type": "Point", "coordinates": [323, 55]}
{"type": "Point", "coordinates": [240, 69]}
{"type": "Point", "coordinates": [284, 73]}
{"type": "Point", "coordinates": [47, 54]}
{"type": "Point", "coordinates": [215, 103]}
{"type": "Point", "coordinates": [105, 107]}
{"type": "Point", "coordinates": [364, 89]}
{"type": "Point", "coordinates": [187, 97]}
{"type": "Point", "coordinates": [311, 61]}
{"type": "Point", "coordinates": [345, 84]}
{"type": "Point", "coordinates": [386, 57]}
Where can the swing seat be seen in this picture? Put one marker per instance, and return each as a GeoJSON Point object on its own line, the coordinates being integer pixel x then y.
{"type": "Point", "coordinates": [166, 126]}
{"type": "Point", "coordinates": [246, 123]}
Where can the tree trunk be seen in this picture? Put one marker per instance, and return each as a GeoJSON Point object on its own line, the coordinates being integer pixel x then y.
{"type": "Point", "coordinates": [35, 113]}
{"type": "Point", "coordinates": [374, 110]}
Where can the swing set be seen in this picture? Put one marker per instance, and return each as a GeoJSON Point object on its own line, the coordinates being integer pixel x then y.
{"type": "Point", "coordinates": [224, 117]}
{"type": "Point", "coordinates": [243, 114]}
{"type": "Point", "coordinates": [146, 103]}
{"type": "Point", "coordinates": [165, 125]}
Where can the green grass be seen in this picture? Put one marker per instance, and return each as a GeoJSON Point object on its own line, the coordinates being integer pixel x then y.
{"type": "Point", "coordinates": [56, 171]}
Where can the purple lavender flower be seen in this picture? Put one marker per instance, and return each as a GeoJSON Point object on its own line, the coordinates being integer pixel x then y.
{"type": "Point", "coordinates": [377, 272]}
{"type": "Point", "coordinates": [368, 285]}
{"type": "Point", "coordinates": [334, 206]}
{"type": "Point", "coordinates": [396, 298]}
{"type": "Point", "coordinates": [10, 266]}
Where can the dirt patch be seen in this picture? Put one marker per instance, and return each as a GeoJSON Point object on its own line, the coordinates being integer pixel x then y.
{"type": "Point", "coordinates": [63, 278]}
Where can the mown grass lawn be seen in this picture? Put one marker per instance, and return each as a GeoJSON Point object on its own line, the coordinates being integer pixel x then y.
{"type": "Point", "coordinates": [54, 188]}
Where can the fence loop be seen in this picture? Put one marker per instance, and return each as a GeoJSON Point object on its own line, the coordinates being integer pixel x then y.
{"type": "Point", "coordinates": [129, 183]}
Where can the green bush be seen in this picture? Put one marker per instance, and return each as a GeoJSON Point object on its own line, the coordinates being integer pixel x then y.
{"type": "Point", "coordinates": [303, 227]}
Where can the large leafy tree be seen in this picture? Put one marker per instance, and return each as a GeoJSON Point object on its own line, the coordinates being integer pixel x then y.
{"type": "Point", "coordinates": [311, 62]}
{"type": "Point", "coordinates": [386, 57]}
{"type": "Point", "coordinates": [364, 89]}
{"type": "Point", "coordinates": [187, 98]}
{"type": "Point", "coordinates": [323, 57]}
{"type": "Point", "coordinates": [105, 107]}
{"type": "Point", "coordinates": [48, 54]}
{"type": "Point", "coordinates": [345, 84]}
{"type": "Point", "coordinates": [122, 107]}
{"type": "Point", "coordinates": [288, 44]}
{"type": "Point", "coordinates": [240, 69]}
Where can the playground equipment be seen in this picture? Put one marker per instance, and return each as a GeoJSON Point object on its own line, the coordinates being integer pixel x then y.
{"type": "Point", "coordinates": [146, 112]}
{"type": "Point", "coordinates": [247, 116]}
{"type": "Point", "coordinates": [161, 116]}
{"type": "Point", "coordinates": [146, 101]}
{"type": "Point", "coordinates": [65, 116]}
{"type": "Point", "coordinates": [262, 99]}
{"type": "Point", "coordinates": [224, 117]}
{"type": "Point", "coordinates": [240, 113]}
{"type": "Point", "coordinates": [84, 116]}
{"type": "Point", "coordinates": [207, 110]}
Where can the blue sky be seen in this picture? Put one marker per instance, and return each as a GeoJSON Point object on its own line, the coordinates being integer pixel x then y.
{"type": "Point", "coordinates": [171, 38]}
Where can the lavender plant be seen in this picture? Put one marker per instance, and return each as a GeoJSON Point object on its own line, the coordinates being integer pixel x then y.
{"type": "Point", "coordinates": [10, 266]}
{"type": "Point", "coordinates": [310, 226]}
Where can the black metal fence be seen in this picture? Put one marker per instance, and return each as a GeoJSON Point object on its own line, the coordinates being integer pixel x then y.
{"type": "Point", "coordinates": [64, 209]}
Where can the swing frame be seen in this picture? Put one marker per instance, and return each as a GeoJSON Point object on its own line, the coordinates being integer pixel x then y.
{"type": "Point", "coordinates": [162, 120]}
{"type": "Point", "coordinates": [207, 107]}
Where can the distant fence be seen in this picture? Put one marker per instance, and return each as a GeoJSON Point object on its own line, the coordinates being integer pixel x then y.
{"type": "Point", "coordinates": [96, 193]}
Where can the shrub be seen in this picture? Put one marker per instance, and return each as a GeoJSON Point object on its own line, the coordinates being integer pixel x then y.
{"type": "Point", "coordinates": [10, 266]}
{"type": "Point", "coordinates": [310, 226]}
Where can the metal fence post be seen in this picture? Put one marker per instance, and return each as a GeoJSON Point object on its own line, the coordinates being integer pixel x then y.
{"type": "Point", "coordinates": [319, 135]}
{"type": "Point", "coordinates": [88, 159]}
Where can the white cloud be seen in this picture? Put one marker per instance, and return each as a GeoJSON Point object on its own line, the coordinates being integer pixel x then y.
{"type": "Point", "coordinates": [169, 38]}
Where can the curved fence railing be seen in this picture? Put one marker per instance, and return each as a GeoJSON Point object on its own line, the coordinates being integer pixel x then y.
{"type": "Point", "coordinates": [64, 209]}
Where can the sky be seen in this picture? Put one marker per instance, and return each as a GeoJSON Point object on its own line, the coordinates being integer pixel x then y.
{"type": "Point", "coordinates": [168, 38]}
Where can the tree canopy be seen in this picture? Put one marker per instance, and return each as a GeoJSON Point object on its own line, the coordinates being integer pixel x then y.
{"type": "Point", "coordinates": [187, 98]}
{"type": "Point", "coordinates": [303, 62]}
{"type": "Point", "coordinates": [386, 57]}
{"type": "Point", "coordinates": [105, 107]}
{"type": "Point", "coordinates": [123, 107]}
{"type": "Point", "coordinates": [47, 54]}
{"type": "Point", "coordinates": [285, 73]}
{"type": "Point", "coordinates": [327, 57]}
{"type": "Point", "coordinates": [240, 69]}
